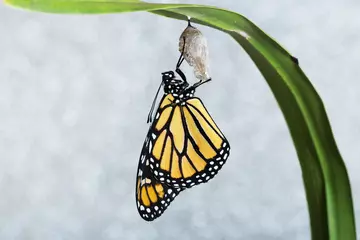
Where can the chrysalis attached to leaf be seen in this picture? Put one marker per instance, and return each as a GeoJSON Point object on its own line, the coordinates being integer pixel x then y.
{"type": "Point", "coordinates": [195, 51]}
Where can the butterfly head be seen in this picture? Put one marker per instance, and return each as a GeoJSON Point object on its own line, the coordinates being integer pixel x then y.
{"type": "Point", "coordinates": [171, 84]}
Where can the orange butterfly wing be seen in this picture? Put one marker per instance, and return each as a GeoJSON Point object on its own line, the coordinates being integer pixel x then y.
{"type": "Point", "coordinates": [188, 147]}
{"type": "Point", "coordinates": [152, 196]}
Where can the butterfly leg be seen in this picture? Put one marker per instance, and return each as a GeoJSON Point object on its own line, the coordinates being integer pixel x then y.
{"type": "Point", "coordinates": [201, 82]}
{"type": "Point", "coordinates": [183, 77]}
{"type": "Point", "coordinates": [180, 61]}
{"type": "Point", "coordinates": [181, 58]}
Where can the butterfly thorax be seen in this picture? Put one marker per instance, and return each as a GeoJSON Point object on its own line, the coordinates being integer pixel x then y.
{"type": "Point", "coordinates": [179, 89]}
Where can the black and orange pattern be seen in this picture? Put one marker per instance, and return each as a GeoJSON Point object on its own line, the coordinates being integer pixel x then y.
{"type": "Point", "coordinates": [152, 196]}
{"type": "Point", "coordinates": [188, 147]}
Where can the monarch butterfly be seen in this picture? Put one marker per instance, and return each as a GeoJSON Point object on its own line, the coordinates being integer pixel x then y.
{"type": "Point", "coordinates": [184, 147]}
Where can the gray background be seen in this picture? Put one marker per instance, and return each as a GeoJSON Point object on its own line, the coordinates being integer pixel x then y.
{"type": "Point", "coordinates": [74, 96]}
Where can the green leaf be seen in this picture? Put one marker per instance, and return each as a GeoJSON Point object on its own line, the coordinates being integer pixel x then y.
{"type": "Point", "coordinates": [324, 173]}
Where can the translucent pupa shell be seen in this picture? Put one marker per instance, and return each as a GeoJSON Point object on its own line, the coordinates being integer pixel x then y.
{"type": "Point", "coordinates": [195, 52]}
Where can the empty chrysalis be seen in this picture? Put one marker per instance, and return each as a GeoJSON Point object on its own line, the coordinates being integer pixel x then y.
{"type": "Point", "coordinates": [193, 47]}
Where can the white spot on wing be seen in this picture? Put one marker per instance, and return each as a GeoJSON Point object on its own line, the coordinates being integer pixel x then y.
{"type": "Point", "coordinates": [150, 146]}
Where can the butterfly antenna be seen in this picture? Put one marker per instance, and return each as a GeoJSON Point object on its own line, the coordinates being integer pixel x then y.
{"type": "Point", "coordinates": [149, 119]}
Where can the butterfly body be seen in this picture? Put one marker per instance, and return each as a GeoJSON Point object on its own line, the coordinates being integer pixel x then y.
{"type": "Point", "coordinates": [183, 148]}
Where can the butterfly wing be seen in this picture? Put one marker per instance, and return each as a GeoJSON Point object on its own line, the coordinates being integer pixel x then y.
{"type": "Point", "coordinates": [188, 147]}
{"type": "Point", "coordinates": [152, 196]}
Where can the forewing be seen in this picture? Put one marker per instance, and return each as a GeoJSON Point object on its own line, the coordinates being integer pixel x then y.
{"type": "Point", "coordinates": [189, 148]}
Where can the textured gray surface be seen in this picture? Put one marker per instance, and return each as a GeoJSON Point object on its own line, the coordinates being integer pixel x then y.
{"type": "Point", "coordinates": [74, 96]}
